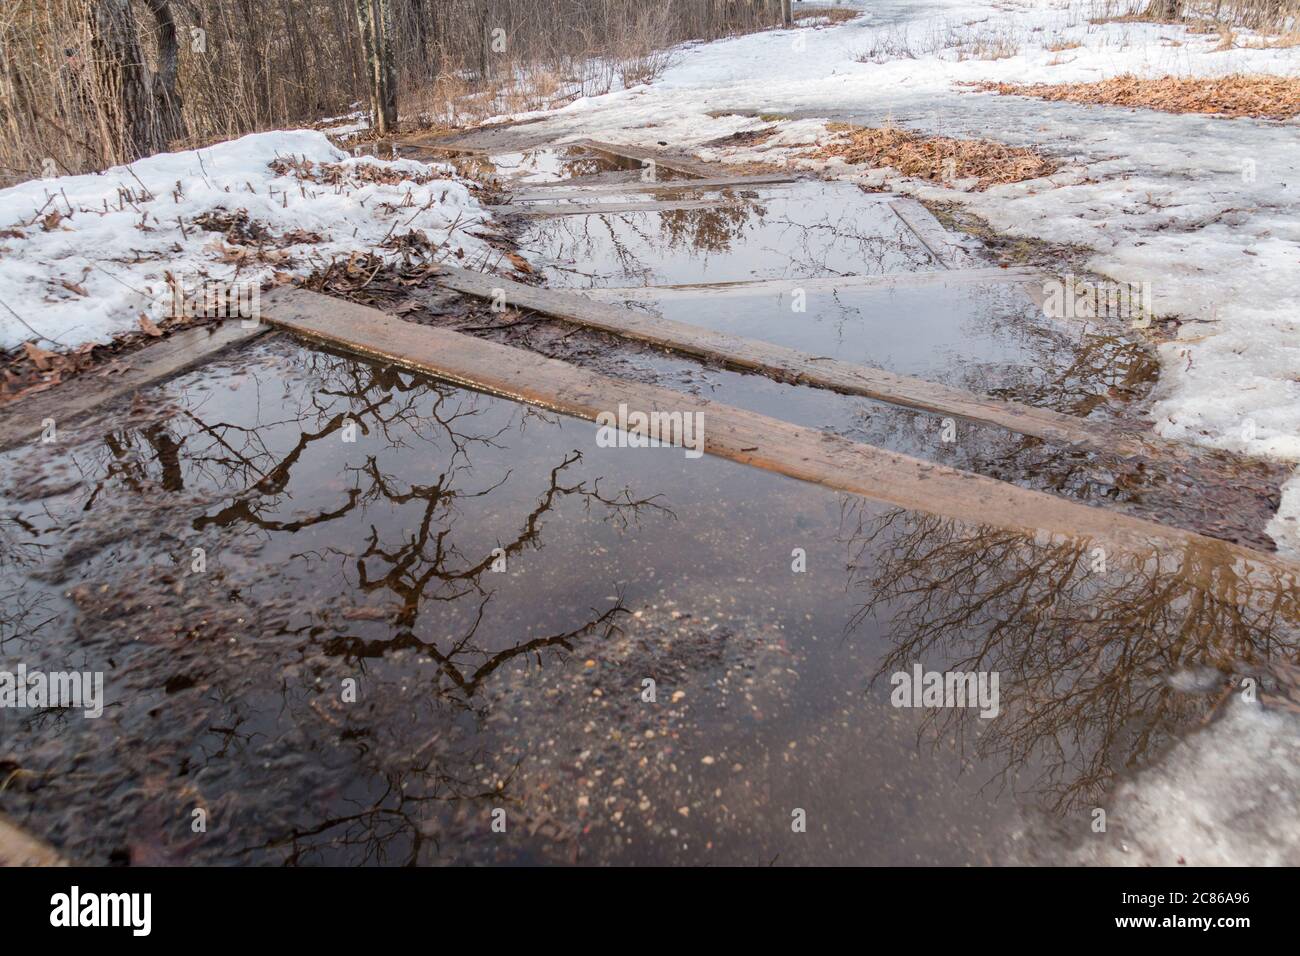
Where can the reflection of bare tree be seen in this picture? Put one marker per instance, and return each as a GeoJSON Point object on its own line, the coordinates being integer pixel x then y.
{"type": "Point", "coordinates": [707, 230]}
{"type": "Point", "coordinates": [1084, 654]}
{"type": "Point", "coordinates": [379, 781]}
{"type": "Point", "coordinates": [22, 612]}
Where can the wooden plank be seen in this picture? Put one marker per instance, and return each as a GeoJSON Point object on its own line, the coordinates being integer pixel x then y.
{"type": "Point", "coordinates": [550, 193]}
{"type": "Point", "coordinates": [610, 208]}
{"type": "Point", "coordinates": [22, 420]}
{"type": "Point", "coordinates": [733, 433]}
{"type": "Point", "coordinates": [789, 365]}
{"type": "Point", "coordinates": [615, 178]}
{"type": "Point", "coordinates": [674, 161]}
{"type": "Point", "coordinates": [902, 280]}
{"type": "Point", "coordinates": [19, 848]}
{"type": "Point", "coordinates": [937, 240]}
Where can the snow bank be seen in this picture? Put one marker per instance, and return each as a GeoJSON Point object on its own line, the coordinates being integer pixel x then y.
{"type": "Point", "coordinates": [90, 272]}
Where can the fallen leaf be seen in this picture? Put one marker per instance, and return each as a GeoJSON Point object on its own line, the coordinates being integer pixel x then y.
{"type": "Point", "coordinates": [148, 327]}
{"type": "Point", "coordinates": [38, 356]}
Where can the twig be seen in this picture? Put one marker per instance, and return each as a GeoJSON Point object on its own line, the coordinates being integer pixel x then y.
{"type": "Point", "coordinates": [27, 325]}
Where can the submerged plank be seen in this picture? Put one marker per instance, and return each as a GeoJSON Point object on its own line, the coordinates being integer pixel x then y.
{"type": "Point", "coordinates": [791, 365]}
{"type": "Point", "coordinates": [590, 209]}
{"type": "Point", "coordinates": [902, 280]}
{"type": "Point", "coordinates": [734, 433]}
{"type": "Point", "coordinates": [936, 239]}
{"type": "Point", "coordinates": [575, 190]}
{"type": "Point", "coordinates": [23, 419]}
{"type": "Point", "coordinates": [674, 161]}
{"type": "Point", "coordinates": [19, 848]}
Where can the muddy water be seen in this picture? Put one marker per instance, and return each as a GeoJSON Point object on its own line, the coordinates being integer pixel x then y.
{"type": "Point", "coordinates": [349, 680]}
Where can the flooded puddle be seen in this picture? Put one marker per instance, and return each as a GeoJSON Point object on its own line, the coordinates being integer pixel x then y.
{"type": "Point", "coordinates": [985, 337]}
{"type": "Point", "coordinates": [356, 616]}
{"type": "Point", "coordinates": [803, 229]}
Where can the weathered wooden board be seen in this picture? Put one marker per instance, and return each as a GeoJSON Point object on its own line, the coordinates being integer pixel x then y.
{"type": "Point", "coordinates": [789, 365]}
{"type": "Point", "coordinates": [618, 178]}
{"type": "Point", "coordinates": [610, 208]}
{"type": "Point", "coordinates": [933, 236]}
{"type": "Point", "coordinates": [902, 280]}
{"type": "Point", "coordinates": [733, 433]}
{"type": "Point", "coordinates": [550, 193]}
{"type": "Point", "coordinates": [22, 420]}
{"type": "Point", "coordinates": [668, 160]}
{"type": "Point", "coordinates": [18, 848]}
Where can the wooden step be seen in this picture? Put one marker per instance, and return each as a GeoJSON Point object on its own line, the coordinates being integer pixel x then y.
{"type": "Point", "coordinates": [610, 208]}
{"type": "Point", "coordinates": [23, 420]}
{"type": "Point", "coordinates": [549, 192]}
{"type": "Point", "coordinates": [744, 436]}
{"type": "Point", "coordinates": [1030, 277]}
{"type": "Point", "coordinates": [789, 365]}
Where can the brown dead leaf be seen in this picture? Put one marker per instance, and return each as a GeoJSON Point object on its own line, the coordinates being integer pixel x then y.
{"type": "Point", "coordinates": [1258, 95]}
{"type": "Point", "coordinates": [42, 359]}
{"type": "Point", "coordinates": [519, 262]}
{"type": "Point", "coordinates": [148, 327]}
{"type": "Point", "coordinates": [74, 287]}
{"type": "Point", "coordinates": [936, 158]}
{"type": "Point", "coordinates": [51, 222]}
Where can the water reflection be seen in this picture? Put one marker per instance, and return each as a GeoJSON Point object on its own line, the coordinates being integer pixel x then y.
{"type": "Point", "coordinates": [1093, 649]}
{"type": "Point", "coordinates": [804, 229]}
{"type": "Point", "coordinates": [374, 562]}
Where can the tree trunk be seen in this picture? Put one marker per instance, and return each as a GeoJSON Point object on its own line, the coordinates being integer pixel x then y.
{"type": "Point", "coordinates": [787, 14]}
{"type": "Point", "coordinates": [125, 80]}
{"type": "Point", "coordinates": [167, 99]}
{"type": "Point", "coordinates": [375, 20]}
{"type": "Point", "coordinates": [1164, 10]}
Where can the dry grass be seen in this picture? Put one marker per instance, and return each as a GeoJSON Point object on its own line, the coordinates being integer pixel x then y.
{"type": "Point", "coordinates": [988, 45]}
{"type": "Point", "coordinates": [1285, 41]}
{"type": "Point", "coordinates": [936, 158]}
{"type": "Point", "coordinates": [1268, 97]}
{"type": "Point", "coordinates": [833, 14]}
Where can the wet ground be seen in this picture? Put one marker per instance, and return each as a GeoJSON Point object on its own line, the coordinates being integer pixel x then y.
{"type": "Point", "coordinates": [358, 617]}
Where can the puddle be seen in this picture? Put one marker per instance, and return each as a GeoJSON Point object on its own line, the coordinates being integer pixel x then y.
{"type": "Point", "coordinates": [804, 229]}
{"type": "Point", "coordinates": [328, 561]}
{"type": "Point", "coordinates": [1208, 493]}
{"type": "Point", "coordinates": [984, 337]}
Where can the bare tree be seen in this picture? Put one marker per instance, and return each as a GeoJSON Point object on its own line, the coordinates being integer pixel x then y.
{"type": "Point", "coordinates": [375, 20]}
{"type": "Point", "coordinates": [148, 104]}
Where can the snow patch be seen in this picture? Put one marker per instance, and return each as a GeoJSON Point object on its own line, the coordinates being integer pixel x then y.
{"type": "Point", "coordinates": [102, 263]}
{"type": "Point", "coordinates": [1228, 795]}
